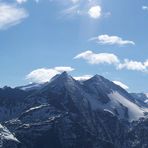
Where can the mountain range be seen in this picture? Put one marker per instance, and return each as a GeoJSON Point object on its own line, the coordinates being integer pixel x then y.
{"type": "Point", "coordinates": [67, 113]}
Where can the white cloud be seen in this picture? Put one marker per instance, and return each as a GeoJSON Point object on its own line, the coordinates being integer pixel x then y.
{"type": "Point", "coordinates": [111, 40]}
{"type": "Point", "coordinates": [75, 1]}
{"type": "Point", "coordinates": [124, 86]}
{"type": "Point", "coordinates": [24, 1]}
{"type": "Point", "coordinates": [11, 15]}
{"type": "Point", "coordinates": [110, 58]}
{"type": "Point", "coordinates": [95, 12]}
{"type": "Point", "coordinates": [21, 1]}
{"type": "Point", "coordinates": [45, 74]}
{"type": "Point", "coordinates": [83, 78]}
{"type": "Point", "coordinates": [144, 7]}
{"type": "Point", "coordinates": [62, 69]}
{"type": "Point", "coordinates": [132, 65]}
{"type": "Point", "coordinates": [146, 63]}
{"type": "Point", "coordinates": [99, 58]}
{"type": "Point", "coordinates": [88, 8]}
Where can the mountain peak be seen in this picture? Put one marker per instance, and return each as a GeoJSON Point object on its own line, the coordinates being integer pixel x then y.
{"type": "Point", "coordinates": [62, 77]}
{"type": "Point", "coordinates": [61, 80]}
{"type": "Point", "coordinates": [97, 78]}
{"type": "Point", "coordinates": [64, 74]}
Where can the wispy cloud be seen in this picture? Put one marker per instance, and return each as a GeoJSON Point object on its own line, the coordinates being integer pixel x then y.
{"type": "Point", "coordinates": [45, 74]}
{"type": "Point", "coordinates": [98, 58]}
{"type": "Point", "coordinates": [111, 40]}
{"type": "Point", "coordinates": [93, 12]}
{"type": "Point", "coordinates": [71, 11]}
{"type": "Point", "coordinates": [11, 15]}
{"type": "Point", "coordinates": [75, 1]}
{"type": "Point", "coordinates": [24, 1]}
{"type": "Point", "coordinates": [87, 8]}
{"type": "Point", "coordinates": [21, 1]}
{"type": "Point", "coordinates": [145, 8]}
{"type": "Point", "coordinates": [124, 86]}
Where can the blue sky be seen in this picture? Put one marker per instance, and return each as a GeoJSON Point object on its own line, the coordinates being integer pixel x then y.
{"type": "Point", "coordinates": [84, 37]}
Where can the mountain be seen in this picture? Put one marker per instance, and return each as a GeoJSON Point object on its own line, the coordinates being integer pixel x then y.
{"type": "Point", "coordinates": [66, 113]}
{"type": "Point", "coordinates": [141, 98]}
{"type": "Point", "coordinates": [31, 87]}
{"type": "Point", "coordinates": [117, 100]}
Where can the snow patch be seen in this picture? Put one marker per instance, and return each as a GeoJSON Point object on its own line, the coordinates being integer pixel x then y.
{"type": "Point", "coordinates": [146, 101]}
{"type": "Point", "coordinates": [106, 110]}
{"type": "Point", "coordinates": [36, 107]}
{"type": "Point", "coordinates": [31, 86]}
{"type": "Point", "coordinates": [134, 111]}
{"type": "Point", "coordinates": [5, 134]}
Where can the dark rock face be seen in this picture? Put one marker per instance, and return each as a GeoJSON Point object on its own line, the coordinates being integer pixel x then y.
{"type": "Point", "coordinates": [65, 113]}
{"type": "Point", "coordinates": [11, 102]}
{"type": "Point", "coordinates": [138, 135]}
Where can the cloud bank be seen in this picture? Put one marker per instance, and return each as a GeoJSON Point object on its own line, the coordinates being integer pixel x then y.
{"type": "Point", "coordinates": [112, 59]}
